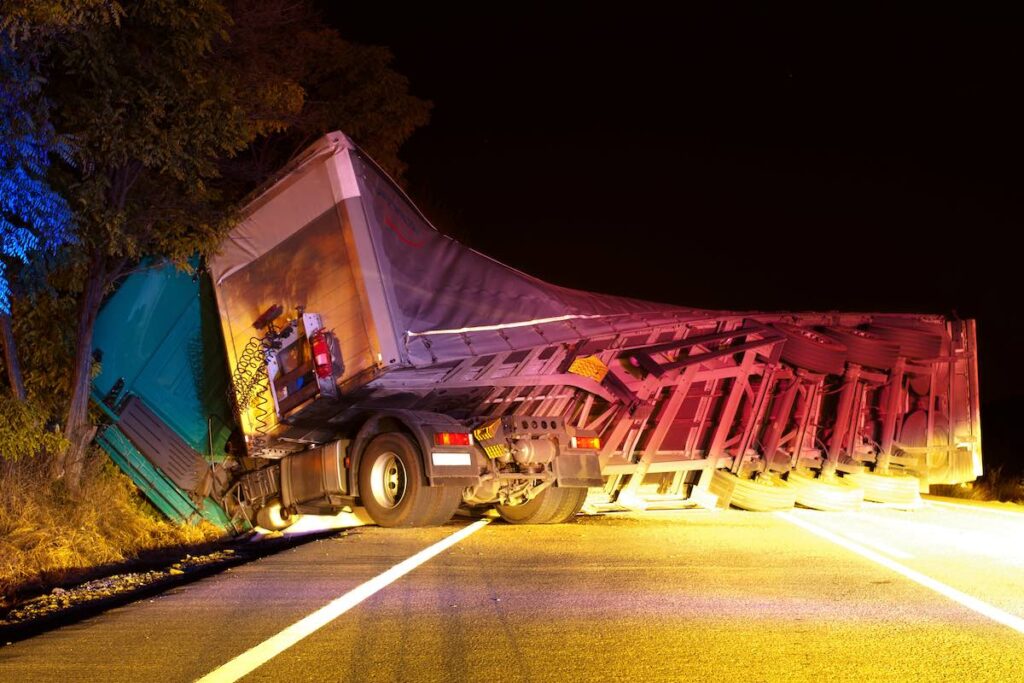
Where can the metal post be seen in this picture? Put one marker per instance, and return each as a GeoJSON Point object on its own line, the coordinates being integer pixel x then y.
{"type": "Point", "coordinates": [844, 415]}
{"type": "Point", "coordinates": [891, 417]}
{"type": "Point", "coordinates": [760, 403]}
{"type": "Point", "coordinates": [857, 425]}
{"type": "Point", "coordinates": [811, 391]}
{"type": "Point", "coordinates": [779, 420]}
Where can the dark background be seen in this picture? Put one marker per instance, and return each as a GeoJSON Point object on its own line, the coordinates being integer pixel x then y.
{"type": "Point", "coordinates": [751, 161]}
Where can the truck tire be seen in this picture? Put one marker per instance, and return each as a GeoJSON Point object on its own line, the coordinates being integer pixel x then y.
{"type": "Point", "coordinates": [896, 489]}
{"type": "Point", "coordinates": [550, 506]}
{"type": "Point", "coordinates": [805, 348]}
{"type": "Point", "coordinates": [764, 494]}
{"type": "Point", "coordinates": [914, 343]}
{"type": "Point", "coordinates": [865, 348]}
{"type": "Point", "coordinates": [273, 517]}
{"type": "Point", "coordinates": [831, 493]}
{"type": "Point", "coordinates": [393, 487]}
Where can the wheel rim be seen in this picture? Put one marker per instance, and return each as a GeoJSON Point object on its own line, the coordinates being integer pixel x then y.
{"type": "Point", "coordinates": [388, 480]}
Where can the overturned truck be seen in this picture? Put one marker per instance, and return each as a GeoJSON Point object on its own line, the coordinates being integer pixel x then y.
{"type": "Point", "coordinates": [339, 354]}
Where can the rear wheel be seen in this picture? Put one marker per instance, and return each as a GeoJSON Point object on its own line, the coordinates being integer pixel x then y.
{"type": "Point", "coordinates": [393, 487]}
{"type": "Point", "coordinates": [550, 506]}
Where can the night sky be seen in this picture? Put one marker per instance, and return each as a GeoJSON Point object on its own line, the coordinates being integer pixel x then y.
{"type": "Point", "coordinates": [785, 161]}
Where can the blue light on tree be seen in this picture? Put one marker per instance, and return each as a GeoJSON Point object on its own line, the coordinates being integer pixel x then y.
{"type": "Point", "coordinates": [33, 216]}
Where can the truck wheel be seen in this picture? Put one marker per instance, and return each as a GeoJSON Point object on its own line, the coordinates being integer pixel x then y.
{"type": "Point", "coordinates": [767, 493]}
{"type": "Point", "coordinates": [273, 517]}
{"type": "Point", "coordinates": [896, 488]}
{"type": "Point", "coordinates": [394, 489]}
{"type": "Point", "coordinates": [830, 492]}
{"type": "Point", "coordinates": [805, 348]}
{"type": "Point", "coordinates": [550, 506]}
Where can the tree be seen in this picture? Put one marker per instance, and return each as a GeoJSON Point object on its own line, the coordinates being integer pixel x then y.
{"type": "Point", "coordinates": [29, 19]}
{"type": "Point", "coordinates": [345, 86]}
{"type": "Point", "coordinates": [151, 113]}
{"type": "Point", "coordinates": [156, 105]}
{"type": "Point", "coordinates": [33, 216]}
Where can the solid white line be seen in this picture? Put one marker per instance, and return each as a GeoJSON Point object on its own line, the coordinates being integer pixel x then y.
{"type": "Point", "coordinates": [1019, 516]}
{"type": "Point", "coordinates": [275, 645]}
{"type": "Point", "coordinates": [877, 545]}
{"type": "Point", "coordinates": [983, 608]}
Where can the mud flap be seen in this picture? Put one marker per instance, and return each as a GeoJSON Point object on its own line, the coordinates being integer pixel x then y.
{"type": "Point", "coordinates": [582, 469]}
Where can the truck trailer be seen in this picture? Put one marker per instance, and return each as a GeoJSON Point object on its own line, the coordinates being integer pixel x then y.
{"type": "Point", "coordinates": [340, 354]}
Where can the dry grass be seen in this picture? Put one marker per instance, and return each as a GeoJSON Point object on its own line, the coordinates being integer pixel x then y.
{"type": "Point", "coordinates": [48, 537]}
{"type": "Point", "coordinates": [996, 484]}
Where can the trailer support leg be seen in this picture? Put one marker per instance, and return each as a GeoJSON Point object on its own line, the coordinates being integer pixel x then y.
{"type": "Point", "coordinates": [844, 416]}
{"type": "Point", "coordinates": [892, 414]}
{"type": "Point", "coordinates": [630, 495]}
{"type": "Point", "coordinates": [780, 418]}
{"type": "Point", "coordinates": [725, 420]}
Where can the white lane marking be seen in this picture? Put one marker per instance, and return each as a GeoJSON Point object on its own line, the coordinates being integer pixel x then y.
{"type": "Point", "coordinates": [877, 545]}
{"type": "Point", "coordinates": [1019, 516]}
{"type": "Point", "coordinates": [255, 657]}
{"type": "Point", "coordinates": [871, 505]}
{"type": "Point", "coordinates": [983, 608]}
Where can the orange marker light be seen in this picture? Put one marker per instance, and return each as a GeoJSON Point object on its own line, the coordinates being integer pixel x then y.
{"type": "Point", "coordinates": [586, 442]}
{"type": "Point", "coordinates": [451, 439]}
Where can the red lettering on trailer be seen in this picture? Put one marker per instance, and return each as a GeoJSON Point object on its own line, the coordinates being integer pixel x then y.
{"type": "Point", "coordinates": [405, 240]}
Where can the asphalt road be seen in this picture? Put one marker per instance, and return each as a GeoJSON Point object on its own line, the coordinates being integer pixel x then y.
{"type": "Point", "coordinates": [660, 596]}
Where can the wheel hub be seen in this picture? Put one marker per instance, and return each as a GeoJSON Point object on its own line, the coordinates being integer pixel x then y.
{"type": "Point", "coordinates": [388, 480]}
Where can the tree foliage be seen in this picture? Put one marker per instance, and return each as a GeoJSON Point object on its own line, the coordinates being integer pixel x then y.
{"type": "Point", "coordinates": [343, 85]}
{"type": "Point", "coordinates": [33, 215]}
{"type": "Point", "coordinates": [27, 19]}
{"type": "Point", "coordinates": [177, 109]}
{"type": "Point", "coordinates": [152, 111]}
{"type": "Point", "coordinates": [44, 324]}
{"type": "Point", "coordinates": [24, 430]}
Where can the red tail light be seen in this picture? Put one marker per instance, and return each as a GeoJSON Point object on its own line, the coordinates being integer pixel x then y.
{"type": "Point", "coordinates": [586, 442]}
{"type": "Point", "coordinates": [321, 356]}
{"type": "Point", "coordinates": [451, 438]}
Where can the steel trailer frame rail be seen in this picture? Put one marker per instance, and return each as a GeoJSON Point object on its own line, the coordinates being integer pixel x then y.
{"type": "Point", "coordinates": [676, 401]}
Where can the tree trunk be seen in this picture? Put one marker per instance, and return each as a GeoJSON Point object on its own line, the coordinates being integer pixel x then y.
{"type": "Point", "coordinates": [11, 358]}
{"type": "Point", "coordinates": [77, 428]}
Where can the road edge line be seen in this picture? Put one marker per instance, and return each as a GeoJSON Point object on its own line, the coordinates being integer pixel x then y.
{"type": "Point", "coordinates": [260, 654]}
{"type": "Point", "coordinates": [970, 602]}
{"type": "Point", "coordinates": [1012, 514]}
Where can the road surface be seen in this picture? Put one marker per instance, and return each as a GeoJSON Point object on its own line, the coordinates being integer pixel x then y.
{"type": "Point", "coordinates": [880, 594]}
